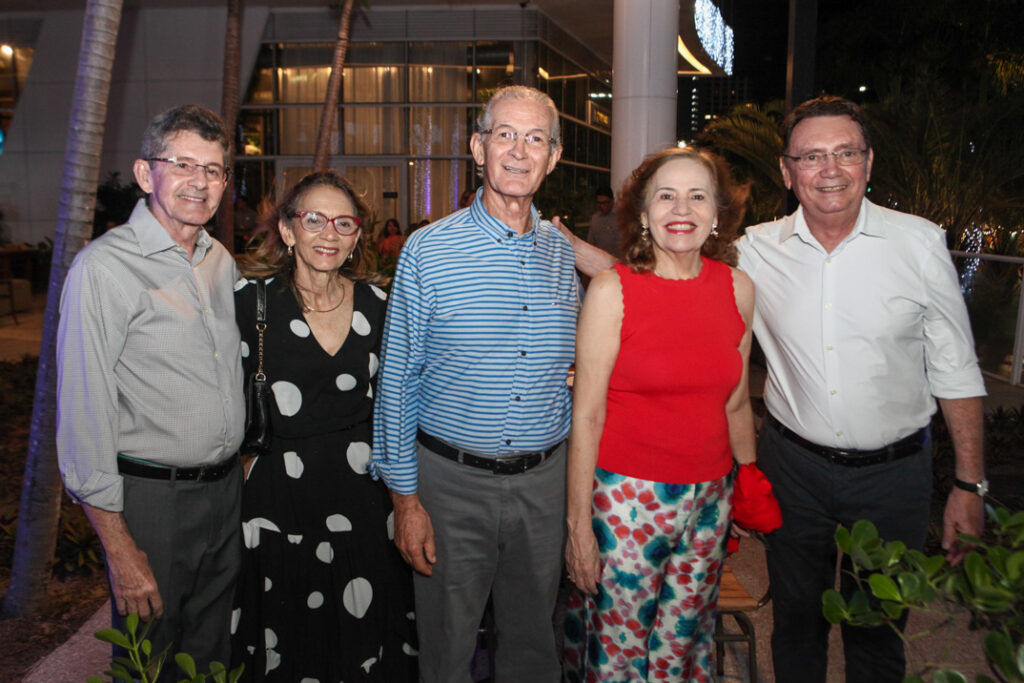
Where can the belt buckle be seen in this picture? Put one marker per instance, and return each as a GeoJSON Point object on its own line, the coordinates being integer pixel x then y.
{"type": "Point", "coordinates": [201, 472]}
{"type": "Point", "coordinates": [508, 464]}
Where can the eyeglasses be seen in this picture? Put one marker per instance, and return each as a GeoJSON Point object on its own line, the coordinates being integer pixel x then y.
{"type": "Point", "coordinates": [185, 167]}
{"type": "Point", "coordinates": [506, 135]}
{"type": "Point", "coordinates": [815, 160]}
{"type": "Point", "coordinates": [314, 221]}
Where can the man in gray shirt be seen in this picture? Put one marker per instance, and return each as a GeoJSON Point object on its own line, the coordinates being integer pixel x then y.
{"type": "Point", "coordinates": [150, 410]}
{"type": "Point", "coordinates": [604, 224]}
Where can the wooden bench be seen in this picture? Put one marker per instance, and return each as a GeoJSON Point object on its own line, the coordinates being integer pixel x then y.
{"type": "Point", "coordinates": [734, 601]}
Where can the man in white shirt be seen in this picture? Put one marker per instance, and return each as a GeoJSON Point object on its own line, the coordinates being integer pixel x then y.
{"type": "Point", "coordinates": [863, 326]}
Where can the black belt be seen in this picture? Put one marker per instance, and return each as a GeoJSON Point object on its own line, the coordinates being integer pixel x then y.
{"type": "Point", "coordinates": [907, 446]}
{"type": "Point", "coordinates": [503, 464]}
{"type": "Point", "coordinates": [136, 468]}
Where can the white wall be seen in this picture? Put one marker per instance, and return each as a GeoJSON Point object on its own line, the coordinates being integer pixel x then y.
{"type": "Point", "coordinates": [165, 57]}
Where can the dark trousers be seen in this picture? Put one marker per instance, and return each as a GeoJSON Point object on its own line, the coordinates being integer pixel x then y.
{"type": "Point", "coordinates": [191, 534]}
{"type": "Point", "coordinates": [815, 496]}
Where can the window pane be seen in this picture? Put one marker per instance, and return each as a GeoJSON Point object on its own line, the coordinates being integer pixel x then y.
{"type": "Point", "coordinates": [436, 186]}
{"type": "Point", "coordinates": [373, 84]}
{"type": "Point", "coordinates": [376, 53]}
{"type": "Point", "coordinates": [298, 128]}
{"type": "Point", "coordinates": [439, 131]}
{"type": "Point", "coordinates": [258, 137]}
{"type": "Point", "coordinates": [440, 84]}
{"type": "Point", "coordinates": [440, 54]}
{"type": "Point", "coordinates": [374, 130]}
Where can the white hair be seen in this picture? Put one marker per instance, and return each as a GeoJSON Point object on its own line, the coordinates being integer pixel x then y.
{"type": "Point", "coordinates": [520, 92]}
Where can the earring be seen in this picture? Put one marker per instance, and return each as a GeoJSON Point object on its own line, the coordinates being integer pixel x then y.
{"type": "Point", "coordinates": [351, 254]}
{"type": "Point", "coordinates": [714, 229]}
{"type": "Point", "coordinates": [645, 234]}
{"type": "Point", "coordinates": [289, 250]}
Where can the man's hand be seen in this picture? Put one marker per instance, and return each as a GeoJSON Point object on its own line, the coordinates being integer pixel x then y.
{"type": "Point", "coordinates": [964, 514]}
{"type": "Point", "coordinates": [414, 534]}
{"type": "Point", "coordinates": [132, 583]}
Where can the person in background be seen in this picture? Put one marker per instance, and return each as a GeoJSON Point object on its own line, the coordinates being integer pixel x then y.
{"type": "Point", "coordinates": [661, 412]}
{"type": "Point", "coordinates": [391, 239]}
{"type": "Point", "coordinates": [324, 594]}
{"type": "Point", "coordinates": [466, 198]}
{"type": "Point", "coordinates": [473, 408]}
{"type": "Point", "coordinates": [149, 394]}
{"type": "Point", "coordinates": [604, 226]}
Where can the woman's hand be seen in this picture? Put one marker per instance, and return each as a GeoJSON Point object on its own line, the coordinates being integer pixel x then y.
{"type": "Point", "coordinates": [583, 560]}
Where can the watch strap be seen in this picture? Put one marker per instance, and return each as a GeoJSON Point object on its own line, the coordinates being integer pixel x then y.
{"type": "Point", "coordinates": [978, 487]}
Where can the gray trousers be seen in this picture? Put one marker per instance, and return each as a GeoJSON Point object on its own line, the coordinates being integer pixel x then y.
{"type": "Point", "coordinates": [191, 533]}
{"type": "Point", "coordinates": [500, 532]}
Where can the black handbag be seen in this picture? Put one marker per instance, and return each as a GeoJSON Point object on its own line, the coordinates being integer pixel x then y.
{"type": "Point", "coordinates": [257, 389]}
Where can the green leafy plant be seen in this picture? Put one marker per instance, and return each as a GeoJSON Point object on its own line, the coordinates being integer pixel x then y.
{"type": "Point", "coordinates": [142, 666]}
{"type": "Point", "coordinates": [989, 584]}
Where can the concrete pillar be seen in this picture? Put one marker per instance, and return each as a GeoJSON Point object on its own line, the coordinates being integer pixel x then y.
{"type": "Point", "coordinates": [644, 82]}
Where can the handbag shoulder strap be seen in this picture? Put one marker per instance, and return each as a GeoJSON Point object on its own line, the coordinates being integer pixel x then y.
{"type": "Point", "coordinates": [261, 323]}
{"type": "Point", "coordinates": [261, 301]}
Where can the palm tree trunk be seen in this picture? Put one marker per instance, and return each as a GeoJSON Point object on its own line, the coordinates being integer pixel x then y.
{"type": "Point", "coordinates": [229, 112]}
{"type": "Point", "coordinates": [41, 490]}
{"type": "Point", "coordinates": [330, 112]}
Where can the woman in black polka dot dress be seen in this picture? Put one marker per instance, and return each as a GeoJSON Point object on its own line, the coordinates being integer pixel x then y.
{"type": "Point", "coordinates": [324, 595]}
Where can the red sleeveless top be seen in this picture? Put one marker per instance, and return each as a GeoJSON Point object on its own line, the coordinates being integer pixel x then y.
{"type": "Point", "coordinates": [678, 364]}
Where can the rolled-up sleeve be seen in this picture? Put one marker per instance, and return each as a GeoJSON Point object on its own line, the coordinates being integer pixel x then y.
{"type": "Point", "coordinates": [950, 361]}
{"type": "Point", "coordinates": [396, 414]}
{"type": "Point", "coordinates": [90, 336]}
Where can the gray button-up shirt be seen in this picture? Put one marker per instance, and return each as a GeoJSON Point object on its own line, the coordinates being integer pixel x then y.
{"type": "Point", "coordinates": [148, 358]}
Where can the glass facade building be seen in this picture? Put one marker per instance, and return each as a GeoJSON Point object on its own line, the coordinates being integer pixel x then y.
{"type": "Point", "coordinates": [413, 84]}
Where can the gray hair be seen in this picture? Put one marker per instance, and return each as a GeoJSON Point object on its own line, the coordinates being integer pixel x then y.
{"type": "Point", "coordinates": [188, 117]}
{"type": "Point", "coordinates": [520, 92]}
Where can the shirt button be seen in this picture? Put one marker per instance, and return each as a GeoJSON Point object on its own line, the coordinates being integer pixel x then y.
{"type": "Point", "coordinates": [522, 353]}
{"type": "Point", "coordinates": [508, 234]}
{"type": "Point", "coordinates": [828, 307]}
{"type": "Point", "coordinates": [832, 393]}
{"type": "Point", "coordinates": [216, 354]}
{"type": "Point", "coordinates": [828, 260]}
{"type": "Point", "coordinates": [830, 348]}
{"type": "Point", "coordinates": [526, 308]}
{"type": "Point", "coordinates": [839, 433]}
{"type": "Point", "coordinates": [518, 398]}
{"type": "Point", "coordinates": [522, 263]}
{"type": "Point", "coordinates": [508, 442]}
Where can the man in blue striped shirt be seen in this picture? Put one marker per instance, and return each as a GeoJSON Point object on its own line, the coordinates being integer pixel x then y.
{"type": "Point", "coordinates": [473, 408]}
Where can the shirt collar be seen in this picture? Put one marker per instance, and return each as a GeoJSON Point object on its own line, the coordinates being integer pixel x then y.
{"type": "Point", "coordinates": [497, 229]}
{"type": "Point", "coordinates": [153, 238]}
{"type": "Point", "coordinates": [796, 224]}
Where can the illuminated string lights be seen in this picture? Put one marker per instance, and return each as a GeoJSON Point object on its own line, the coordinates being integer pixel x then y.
{"type": "Point", "coordinates": [715, 35]}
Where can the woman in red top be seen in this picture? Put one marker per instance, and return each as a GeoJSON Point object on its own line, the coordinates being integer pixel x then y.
{"type": "Point", "coordinates": [661, 411]}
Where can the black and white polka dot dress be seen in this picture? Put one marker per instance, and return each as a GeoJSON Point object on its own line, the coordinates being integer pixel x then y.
{"type": "Point", "coordinates": [323, 595]}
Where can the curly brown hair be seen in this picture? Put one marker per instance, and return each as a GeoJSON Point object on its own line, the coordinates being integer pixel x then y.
{"type": "Point", "coordinates": [638, 251]}
{"type": "Point", "coordinates": [271, 258]}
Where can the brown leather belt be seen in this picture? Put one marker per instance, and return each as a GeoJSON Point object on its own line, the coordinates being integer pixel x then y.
{"type": "Point", "coordinates": [502, 464]}
{"type": "Point", "coordinates": [136, 468]}
{"type": "Point", "coordinates": [907, 446]}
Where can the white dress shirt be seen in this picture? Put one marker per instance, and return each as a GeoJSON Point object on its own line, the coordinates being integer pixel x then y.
{"type": "Point", "coordinates": [860, 340]}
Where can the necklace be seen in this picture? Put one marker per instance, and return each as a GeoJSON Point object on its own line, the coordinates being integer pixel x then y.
{"type": "Point", "coordinates": [306, 308]}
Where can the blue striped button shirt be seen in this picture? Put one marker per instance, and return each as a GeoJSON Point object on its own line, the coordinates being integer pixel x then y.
{"type": "Point", "coordinates": [479, 336]}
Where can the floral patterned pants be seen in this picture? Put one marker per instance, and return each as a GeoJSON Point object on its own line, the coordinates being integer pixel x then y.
{"type": "Point", "coordinates": [662, 549]}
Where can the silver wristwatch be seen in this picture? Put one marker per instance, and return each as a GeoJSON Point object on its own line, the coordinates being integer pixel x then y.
{"type": "Point", "coordinates": [980, 487]}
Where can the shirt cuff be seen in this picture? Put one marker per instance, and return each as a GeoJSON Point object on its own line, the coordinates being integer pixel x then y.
{"type": "Point", "coordinates": [966, 383]}
{"type": "Point", "coordinates": [101, 490]}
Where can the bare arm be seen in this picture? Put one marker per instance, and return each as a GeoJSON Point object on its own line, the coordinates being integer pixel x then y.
{"type": "Point", "coordinates": [414, 533]}
{"type": "Point", "coordinates": [597, 346]}
{"type": "Point", "coordinates": [132, 583]}
{"type": "Point", "coordinates": [590, 260]}
{"type": "Point", "coordinates": [737, 409]}
{"type": "Point", "coordinates": [964, 510]}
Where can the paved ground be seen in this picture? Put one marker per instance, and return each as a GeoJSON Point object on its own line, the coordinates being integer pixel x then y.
{"type": "Point", "coordinates": [82, 655]}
